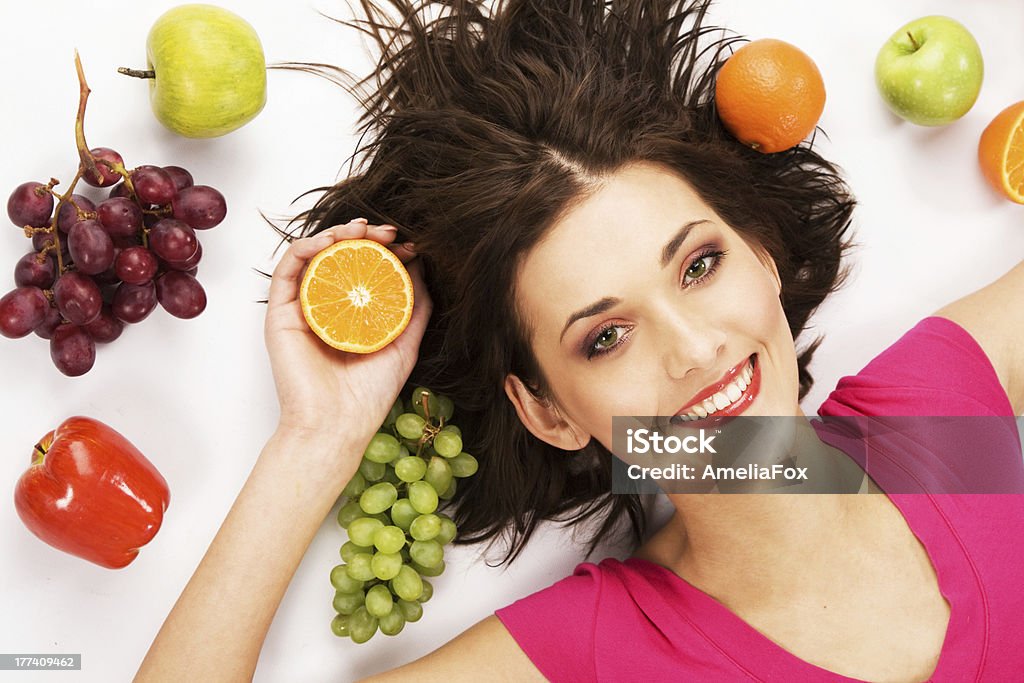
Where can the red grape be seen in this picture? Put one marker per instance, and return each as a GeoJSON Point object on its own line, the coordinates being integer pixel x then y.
{"type": "Point", "coordinates": [119, 190]}
{"type": "Point", "coordinates": [78, 297]}
{"type": "Point", "coordinates": [133, 303]}
{"type": "Point", "coordinates": [187, 264]}
{"type": "Point", "coordinates": [28, 207]}
{"type": "Point", "coordinates": [50, 322]}
{"type": "Point", "coordinates": [68, 214]}
{"type": "Point", "coordinates": [200, 206]}
{"type": "Point", "coordinates": [72, 350]}
{"type": "Point", "coordinates": [180, 294]}
{"type": "Point", "coordinates": [173, 240]}
{"type": "Point", "coordinates": [136, 265]}
{"type": "Point", "coordinates": [153, 185]}
{"type": "Point", "coordinates": [180, 176]}
{"type": "Point", "coordinates": [21, 310]}
{"type": "Point", "coordinates": [31, 273]}
{"type": "Point", "coordinates": [106, 328]}
{"type": "Point", "coordinates": [120, 217]}
{"type": "Point", "coordinates": [104, 176]}
{"type": "Point", "coordinates": [90, 247]}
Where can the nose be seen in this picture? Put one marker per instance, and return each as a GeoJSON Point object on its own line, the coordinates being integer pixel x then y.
{"type": "Point", "coordinates": [689, 343]}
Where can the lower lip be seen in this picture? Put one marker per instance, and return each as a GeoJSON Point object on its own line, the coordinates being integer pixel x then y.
{"type": "Point", "coordinates": [720, 417]}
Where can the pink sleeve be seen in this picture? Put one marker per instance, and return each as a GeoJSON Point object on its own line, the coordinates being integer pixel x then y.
{"type": "Point", "coordinates": [936, 368]}
{"type": "Point", "coordinates": [555, 627]}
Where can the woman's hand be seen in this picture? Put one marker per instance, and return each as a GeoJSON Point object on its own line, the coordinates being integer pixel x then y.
{"type": "Point", "coordinates": [321, 390]}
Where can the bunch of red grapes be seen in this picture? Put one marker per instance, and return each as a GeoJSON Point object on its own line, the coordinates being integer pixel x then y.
{"type": "Point", "coordinates": [95, 267]}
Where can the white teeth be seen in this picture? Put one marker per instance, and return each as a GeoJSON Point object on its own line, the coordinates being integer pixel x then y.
{"type": "Point", "coordinates": [721, 400]}
{"type": "Point", "coordinates": [710, 406]}
{"type": "Point", "coordinates": [699, 410]}
{"type": "Point", "coordinates": [733, 393]}
{"type": "Point", "coordinates": [748, 373]}
{"type": "Point", "coordinates": [741, 383]}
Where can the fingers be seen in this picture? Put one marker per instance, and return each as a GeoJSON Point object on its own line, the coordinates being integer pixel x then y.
{"type": "Point", "coordinates": [422, 304]}
{"type": "Point", "coordinates": [404, 251]}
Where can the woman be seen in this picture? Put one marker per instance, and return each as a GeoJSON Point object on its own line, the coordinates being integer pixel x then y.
{"type": "Point", "coordinates": [518, 155]}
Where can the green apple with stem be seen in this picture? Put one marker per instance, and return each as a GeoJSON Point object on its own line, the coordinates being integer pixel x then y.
{"type": "Point", "coordinates": [929, 72]}
{"type": "Point", "coordinates": [206, 70]}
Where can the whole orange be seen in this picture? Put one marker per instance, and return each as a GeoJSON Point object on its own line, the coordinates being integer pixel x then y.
{"type": "Point", "coordinates": [1001, 152]}
{"type": "Point", "coordinates": [769, 95]}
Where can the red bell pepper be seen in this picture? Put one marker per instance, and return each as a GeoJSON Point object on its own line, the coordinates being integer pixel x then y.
{"type": "Point", "coordinates": [91, 493]}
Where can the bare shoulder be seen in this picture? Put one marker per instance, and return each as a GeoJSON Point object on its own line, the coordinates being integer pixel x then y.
{"type": "Point", "coordinates": [994, 317]}
{"type": "Point", "coordinates": [484, 652]}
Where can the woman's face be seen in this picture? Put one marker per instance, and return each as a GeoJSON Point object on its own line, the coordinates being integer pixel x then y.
{"type": "Point", "coordinates": [642, 301]}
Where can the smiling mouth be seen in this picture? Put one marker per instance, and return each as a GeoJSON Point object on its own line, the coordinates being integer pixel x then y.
{"type": "Point", "coordinates": [729, 397]}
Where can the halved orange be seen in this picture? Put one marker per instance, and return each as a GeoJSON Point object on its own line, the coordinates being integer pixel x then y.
{"type": "Point", "coordinates": [356, 296]}
{"type": "Point", "coordinates": [1001, 152]}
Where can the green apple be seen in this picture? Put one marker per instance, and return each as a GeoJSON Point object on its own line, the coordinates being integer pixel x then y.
{"type": "Point", "coordinates": [929, 72]}
{"type": "Point", "coordinates": [207, 70]}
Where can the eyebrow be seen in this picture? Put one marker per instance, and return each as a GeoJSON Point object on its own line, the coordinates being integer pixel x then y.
{"type": "Point", "coordinates": [667, 254]}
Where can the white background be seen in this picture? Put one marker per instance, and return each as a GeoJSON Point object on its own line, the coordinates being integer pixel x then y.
{"type": "Point", "coordinates": [197, 398]}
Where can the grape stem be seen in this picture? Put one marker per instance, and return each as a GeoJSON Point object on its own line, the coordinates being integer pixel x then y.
{"type": "Point", "coordinates": [62, 199]}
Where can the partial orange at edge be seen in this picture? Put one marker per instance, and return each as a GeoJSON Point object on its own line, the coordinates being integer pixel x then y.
{"type": "Point", "coordinates": [1001, 152]}
{"type": "Point", "coordinates": [356, 296]}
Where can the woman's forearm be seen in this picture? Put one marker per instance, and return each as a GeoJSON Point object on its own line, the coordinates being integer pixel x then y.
{"type": "Point", "coordinates": [217, 627]}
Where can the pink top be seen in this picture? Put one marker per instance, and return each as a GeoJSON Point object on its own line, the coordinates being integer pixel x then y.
{"type": "Point", "coordinates": [635, 620]}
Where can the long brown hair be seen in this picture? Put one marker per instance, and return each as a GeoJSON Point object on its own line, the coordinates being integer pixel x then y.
{"type": "Point", "coordinates": [480, 128]}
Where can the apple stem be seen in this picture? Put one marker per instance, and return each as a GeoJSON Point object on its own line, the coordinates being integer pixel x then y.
{"type": "Point", "coordinates": [38, 454]}
{"type": "Point", "coordinates": [913, 42]}
{"type": "Point", "coordinates": [136, 73]}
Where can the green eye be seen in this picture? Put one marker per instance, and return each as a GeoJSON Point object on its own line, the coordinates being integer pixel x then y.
{"type": "Point", "coordinates": [608, 338]}
{"type": "Point", "coordinates": [697, 269]}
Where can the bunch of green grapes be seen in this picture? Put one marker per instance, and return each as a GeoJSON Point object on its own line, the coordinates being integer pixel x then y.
{"type": "Point", "coordinates": [396, 535]}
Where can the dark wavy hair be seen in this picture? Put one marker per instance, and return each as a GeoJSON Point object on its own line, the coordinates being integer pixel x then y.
{"type": "Point", "coordinates": [482, 123]}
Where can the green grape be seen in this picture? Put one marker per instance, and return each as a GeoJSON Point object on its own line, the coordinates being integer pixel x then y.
{"type": "Point", "coordinates": [339, 625]}
{"type": "Point", "coordinates": [382, 517]}
{"type": "Point", "coordinates": [372, 471]}
{"type": "Point", "coordinates": [454, 429]}
{"type": "Point", "coordinates": [448, 530]}
{"type": "Point", "coordinates": [396, 410]}
{"type": "Point", "coordinates": [360, 567]}
{"type": "Point", "coordinates": [378, 498]}
{"type": "Point", "coordinates": [428, 451]}
{"type": "Point", "coordinates": [349, 512]}
{"type": "Point", "coordinates": [463, 465]}
{"type": "Point", "coordinates": [355, 485]}
{"type": "Point", "coordinates": [425, 527]}
{"type": "Point", "coordinates": [449, 492]}
{"type": "Point", "coordinates": [426, 553]}
{"type": "Point", "coordinates": [406, 557]}
{"type": "Point", "coordinates": [447, 443]}
{"type": "Point", "coordinates": [378, 600]}
{"type": "Point", "coordinates": [347, 603]}
{"type": "Point", "coordinates": [392, 623]}
{"type": "Point", "coordinates": [402, 513]}
{"type": "Point", "coordinates": [411, 445]}
{"type": "Point", "coordinates": [428, 591]}
{"type": "Point", "coordinates": [386, 566]}
{"type": "Point", "coordinates": [344, 583]}
{"type": "Point", "coordinates": [391, 477]}
{"type": "Point", "coordinates": [412, 611]}
{"type": "Point", "coordinates": [411, 468]}
{"type": "Point", "coordinates": [348, 549]}
{"type": "Point", "coordinates": [433, 405]}
{"type": "Point", "coordinates": [423, 497]}
{"type": "Point", "coordinates": [362, 530]}
{"type": "Point", "coordinates": [410, 425]}
{"type": "Point", "coordinates": [403, 451]}
{"type": "Point", "coordinates": [391, 539]}
{"type": "Point", "coordinates": [407, 584]}
{"type": "Point", "coordinates": [445, 408]}
{"type": "Point", "coordinates": [383, 448]}
{"type": "Point", "coordinates": [439, 474]}
{"type": "Point", "coordinates": [428, 571]}
{"type": "Point", "coordinates": [362, 625]}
